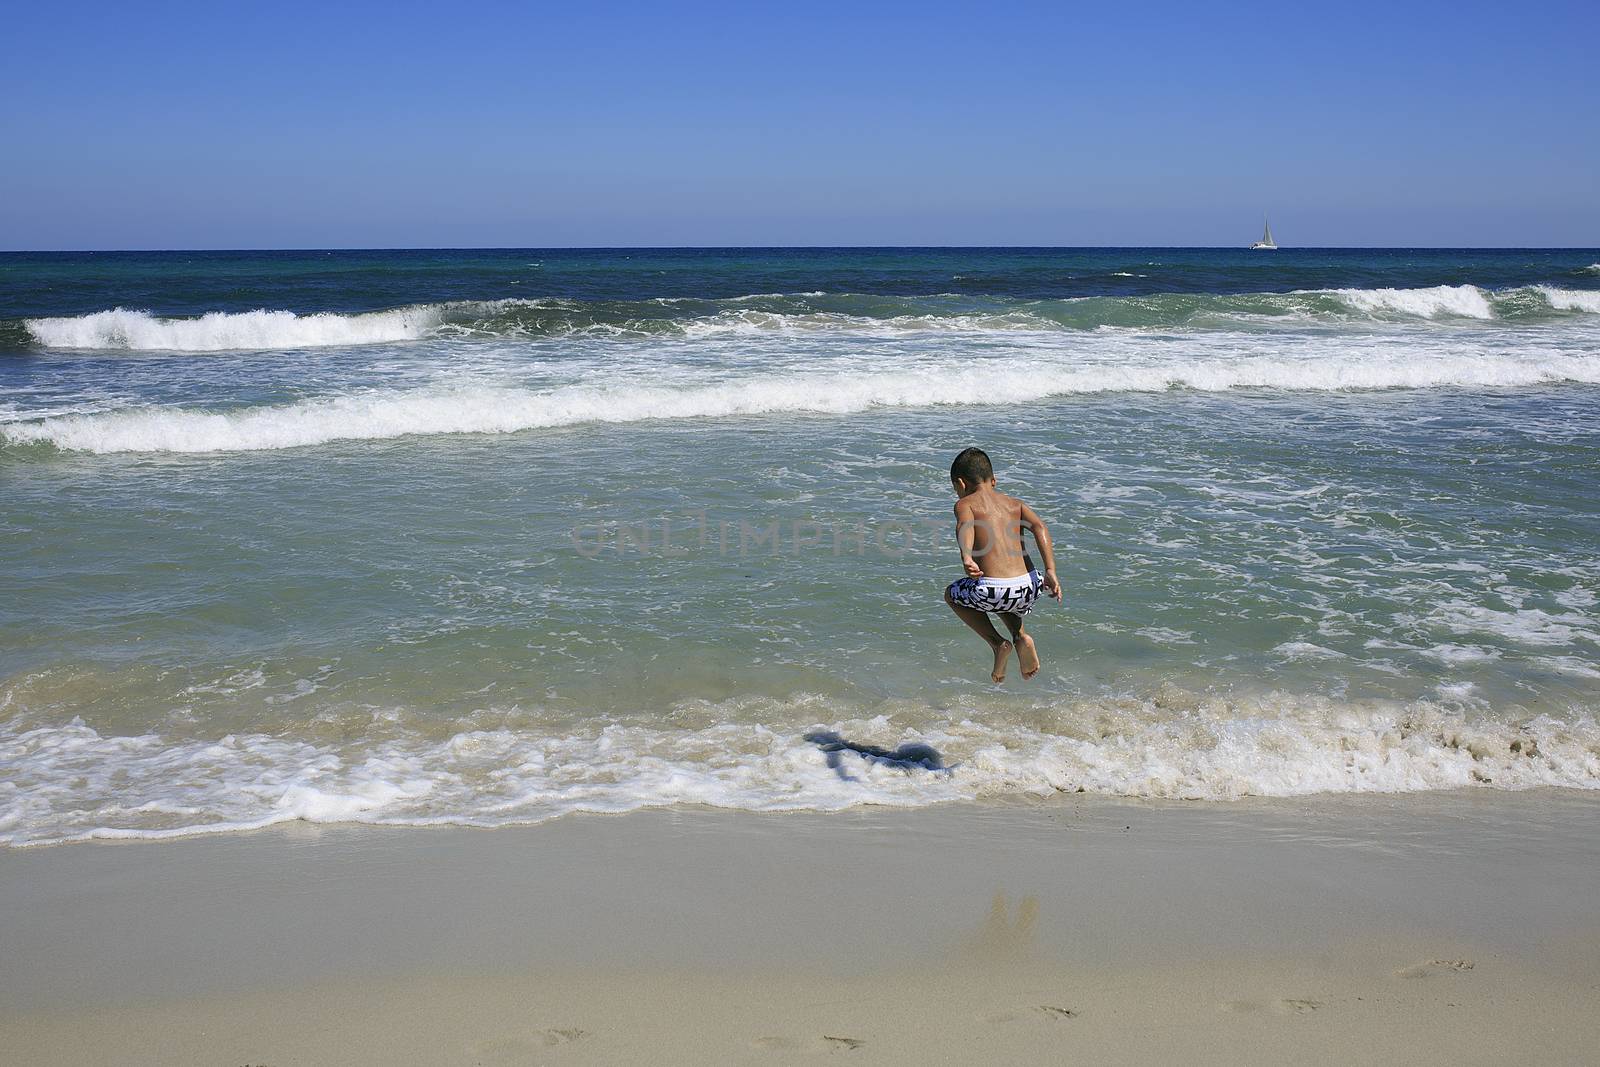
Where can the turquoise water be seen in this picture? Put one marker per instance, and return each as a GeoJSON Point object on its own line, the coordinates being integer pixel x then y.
{"type": "Point", "coordinates": [361, 536]}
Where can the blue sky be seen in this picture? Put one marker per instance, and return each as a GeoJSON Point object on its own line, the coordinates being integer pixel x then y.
{"type": "Point", "coordinates": [283, 124]}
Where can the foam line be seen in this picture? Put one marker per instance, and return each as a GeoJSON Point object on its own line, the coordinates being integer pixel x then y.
{"type": "Point", "coordinates": [69, 782]}
{"type": "Point", "coordinates": [219, 331]}
{"type": "Point", "coordinates": [390, 413]}
{"type": "Point", "coordinates": [131, 330]}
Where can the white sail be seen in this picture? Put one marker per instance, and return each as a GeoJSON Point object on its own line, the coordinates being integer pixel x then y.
{"type": "Point", "coordinates": [1266, 236]}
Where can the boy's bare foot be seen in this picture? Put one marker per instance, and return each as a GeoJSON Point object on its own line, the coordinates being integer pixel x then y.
{"type": "Point", "coordinates": [1002, 652]}
{"type": "Point", "coordinates": [1027, 656]}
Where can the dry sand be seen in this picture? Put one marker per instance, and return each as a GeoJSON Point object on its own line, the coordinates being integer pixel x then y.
{"type": "Point", "coordinates": [1461, 928]}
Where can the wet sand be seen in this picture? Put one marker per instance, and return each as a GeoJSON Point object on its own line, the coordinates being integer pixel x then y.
{"type": "Point", "coordinates": [1443, 928]}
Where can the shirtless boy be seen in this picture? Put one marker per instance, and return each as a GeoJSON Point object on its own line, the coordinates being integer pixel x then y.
{"type": "Point", "coordinates": [1000, 576]}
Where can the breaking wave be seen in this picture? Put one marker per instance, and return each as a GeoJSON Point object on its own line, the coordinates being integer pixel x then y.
{"type": "Point", "coordinates": [70, 782]}
{"type": "Point", "coordinates": [622, 398]}
{"type": "Point", "coordinates": [218, 331]}
{"type": "Point", "coordinates": [122, 329]}
{"type": "Point", "coordinates": [1457, 301]}
{"type": "Point", "coordinates": [1572, 300]}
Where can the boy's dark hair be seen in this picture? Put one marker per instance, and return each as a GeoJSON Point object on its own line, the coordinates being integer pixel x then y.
{"type": "Point", "coordinates": [972, 466]}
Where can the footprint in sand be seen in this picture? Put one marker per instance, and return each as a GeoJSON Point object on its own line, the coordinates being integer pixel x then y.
{"type": "Point", "coordinates": [825, 1043]}
{"type": "Point", "coordinates": [1285, 1006]}
{"type": "Point", "coordinates": [517, 1048]}
{"type": "Point", "coordinates": [1295, 1007]}
{"type": "Point", "coordinates": [1036, 1011]}
{"type": "Point", "coordinates": [1434, 968]}
{"type": "Point", "coordinates": [556, 1036]}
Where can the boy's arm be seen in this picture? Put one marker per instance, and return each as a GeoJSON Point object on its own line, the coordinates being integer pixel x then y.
{"type": "Point", "coordinates": [1041, 537]}
{"type": "Point", "coordinates": [966, 537]}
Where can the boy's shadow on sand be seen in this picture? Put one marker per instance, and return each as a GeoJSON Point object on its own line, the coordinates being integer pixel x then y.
{"type": "Point", "coordinates": [908, 757]}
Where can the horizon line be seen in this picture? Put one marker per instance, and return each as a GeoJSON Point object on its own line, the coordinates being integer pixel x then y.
{"type": "Point", "coordinates": [799, 247]}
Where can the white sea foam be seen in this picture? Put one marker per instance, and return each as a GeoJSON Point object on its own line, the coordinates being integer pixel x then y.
{"type": "Point", "coordinates": [1568, 665]}
{"type": "Point", "coordinates": [1523, 626]}
{"type": "Point", "coordinates": [390, 413]}
{"type": "Point", "coordinates": [1455, 655]}
{"type": "Point", "coordinates": [1165, 635]}
{"type": "Point", "coordinates": [134, 330]}
{"type": "Point", "coordinates": [1464, 301]}
{"type": "Point", "coordinates": [1307, 650]}
{"type": "Point", "coordinates": [1572, 299]}
{"type": "Point", "coordinates": [1458, 301]}
{"type": "Point", "coordinates": [219, 331]}
{"type": "Point", "coordinates": [70, 782]}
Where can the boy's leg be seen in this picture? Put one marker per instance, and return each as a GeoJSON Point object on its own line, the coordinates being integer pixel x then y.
{"type": "Point", "coordinates": [985, 629]}
{"type": "Point", "coordinates": [1027, 655]}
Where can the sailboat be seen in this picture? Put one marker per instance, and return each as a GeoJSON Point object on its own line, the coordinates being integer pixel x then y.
{"type": "Point", "coordinates": [1266, 241]}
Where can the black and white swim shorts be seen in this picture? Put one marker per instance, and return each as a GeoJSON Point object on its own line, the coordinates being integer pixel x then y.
{"type": "Point", "coordinates": [1015, 595]}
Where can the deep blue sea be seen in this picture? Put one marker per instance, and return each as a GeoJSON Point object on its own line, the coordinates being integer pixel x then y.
{"type": "Point", "coordinates": [491, 536]}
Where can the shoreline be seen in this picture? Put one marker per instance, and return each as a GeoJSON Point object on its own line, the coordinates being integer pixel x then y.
{"type": "Point", "coordinates": [1448, 927]}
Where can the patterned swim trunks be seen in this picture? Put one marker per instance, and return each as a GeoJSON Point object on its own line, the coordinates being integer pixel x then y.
{"type": "Point", "coordinates": [1015, 595]}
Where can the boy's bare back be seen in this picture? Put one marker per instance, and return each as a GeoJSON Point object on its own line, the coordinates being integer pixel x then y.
{"type": "Point", "coordinates": [1000, 577]}
{"type": "Point", "coordinates": [997, 522]}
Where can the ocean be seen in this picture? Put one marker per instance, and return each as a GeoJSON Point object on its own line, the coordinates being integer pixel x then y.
{"type": "Point", "coordinates": [485, 537]}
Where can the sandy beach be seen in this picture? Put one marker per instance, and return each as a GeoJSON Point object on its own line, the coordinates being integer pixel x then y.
{"type": "Point", "coordinates": [1446, 928]}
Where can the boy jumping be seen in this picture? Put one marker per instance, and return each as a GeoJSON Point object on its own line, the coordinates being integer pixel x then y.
{"type": "Point", "coordinates": [989, 528]}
